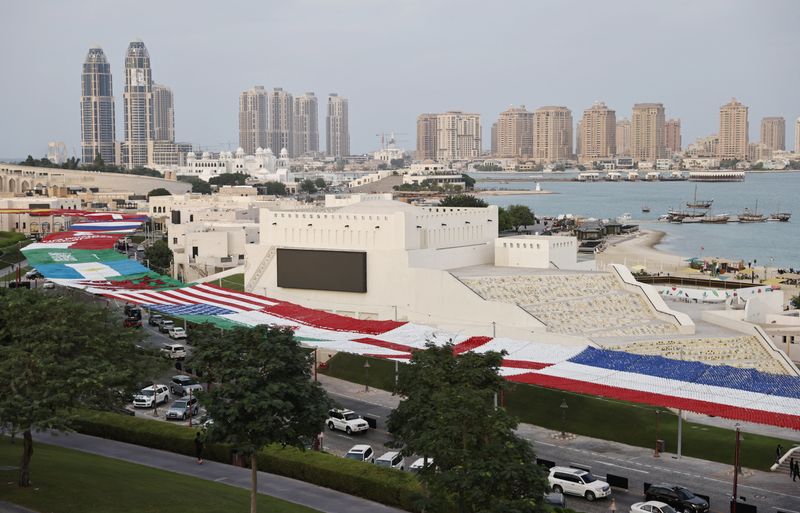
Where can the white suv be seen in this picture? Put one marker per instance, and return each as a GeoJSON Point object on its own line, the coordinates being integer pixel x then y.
{"type": "Point", "coordinates": [391, 459]}
{"type": "Point", "coordinates": [176, 333]}
{"type": "Point", "coordinates": [361, 453]}
{"type": "Point", "coordinates": [577, 482]}
{"type": "Point", "coordinates": [151, 396]}
{"type": "Point", "coordinates": [346, 420]}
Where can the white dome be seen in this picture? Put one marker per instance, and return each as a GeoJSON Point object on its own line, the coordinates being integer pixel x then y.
{"type": "Point", "coordinates": [269, 151]}
{"type": "Point", "coordinates": [259, 151]}
{"type": "Point", "coordinates": [239, 151]}
{"type": "Point", "coordinates": [284, 153]}
{"type": "Point", "coordinates": [191, 155]}
{"type": "Point", "coordinates": [206, 155]}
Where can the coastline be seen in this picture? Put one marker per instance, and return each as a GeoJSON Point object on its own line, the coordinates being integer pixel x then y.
{"type": "Point", "coordinates": [640, 249]}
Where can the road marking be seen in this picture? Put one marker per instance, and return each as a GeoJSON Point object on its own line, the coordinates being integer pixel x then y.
{"type": "Point", "coordinates": [785, 510]}
{"type": "Point", "coordinates": [220, 479]}
{"type": "Point", "coordinates": [620, 466]}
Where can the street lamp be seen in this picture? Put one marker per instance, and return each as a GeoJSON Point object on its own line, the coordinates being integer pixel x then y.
{"type": "Point", "coordinates": [657, 454]}
{"type": "Point", "coordinates": [564, 407]}
{"type": "Point", "coordinates": [366, 376]}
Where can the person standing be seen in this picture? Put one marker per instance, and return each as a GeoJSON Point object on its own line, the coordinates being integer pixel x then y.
{"type": "Point", "coordinates": [796, 467]}
{"type": "Point", "coordinates": [198, 448]}
{"type": "Point", "coordinates": [778, 452]}
{"type": "Point", "coordinates": [791, 468]}
{"type": "Point", "coordinates": [612, 508]}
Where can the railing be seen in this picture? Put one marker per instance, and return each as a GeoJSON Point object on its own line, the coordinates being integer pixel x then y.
{"type": "Point", "coordinates": [261, 269]}
{"type": "Point", "coordinates": [200, 271]}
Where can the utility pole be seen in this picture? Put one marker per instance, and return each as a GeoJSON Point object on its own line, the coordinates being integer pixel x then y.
{"type": "Point", "coordinates": [736, 470]}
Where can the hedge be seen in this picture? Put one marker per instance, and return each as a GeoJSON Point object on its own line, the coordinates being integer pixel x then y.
{"type": "Point", "coordinates": [390, 487]}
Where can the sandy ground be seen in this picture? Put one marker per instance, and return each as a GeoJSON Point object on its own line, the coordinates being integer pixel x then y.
{"type": "Point", "coordinates": [509, 192]}
{"type": "Point", "coordinates": [639, 249]}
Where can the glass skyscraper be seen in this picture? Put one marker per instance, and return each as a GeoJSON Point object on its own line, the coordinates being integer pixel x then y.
{"type": "Point", "coordinates": [97, 109]}
{"type": "Point", "coordinates": [138, 99]}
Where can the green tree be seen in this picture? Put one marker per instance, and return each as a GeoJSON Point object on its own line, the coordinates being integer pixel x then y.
{"type": "Point", "coordinates": [469, 182]}
{"type": "Point", "coordinates": [275, 188]}
{"type": "Point", "coordinates": [308, 186]}
{"type": "Point", "coordinates": [320, 183]}
{"type": "Point", "coordinates": [795, 301]}
{"type": "Point", "coordinates": [520, 215]}
{"type": "Point", "coordinates": [462, 200]}
{"type": "Point", "coordinates": [98, 163]}
{"type": "Point", "coordinates": [263, 392]}
{"type": "Point", "coordinates": [198, 185]}
{"type": "Point", "coordinates": [159, 256]}
{"type": "Point", "coordinates": [448, 415]}
{"type": "Point", "coordinates": [159, 192]}
{"type": "Point", "coordinates": [60, 353]}
{"type": "Point", "coordinates": [229, 179]}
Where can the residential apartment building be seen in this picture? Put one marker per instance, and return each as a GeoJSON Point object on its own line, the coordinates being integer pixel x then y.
{"type": "Point", "coordinates": [773, 133]}
{"type": "Point", "coordinates": [253, 129]}
{"type": "Point", "coordinates": [138, 102]}
{"type": "Point", "coordinates": [337, 132]}
{"type": "Point", "coordinates": [281, 121]}
{"type": "Point", "coordinates": [458, 136]}
{"type": "Point", "coordinates": [672, 128]}
{"type": "Point", "coordinates": [513, 136]}
{"type": "Point", "coordinates": [306, 124]}
{"type": "Point", "coordinates": [597, 133]}
{"type": "Point", "coordinates": [97, 109]}
{"type": "Point", "coordinates": [552, 134]}
{"type": "Point", "coordinates": [426, 137]}
{"type": "Point", "coordinates": [648, 137]}
{"type": "Point", "coordinates": [163, 113]}
{"type": "Point", "coordinates": [733, 130]}
{"type": "Point", "coordinates": [623, 137]}
{"type": "Point", "coordinates": [797, 136]}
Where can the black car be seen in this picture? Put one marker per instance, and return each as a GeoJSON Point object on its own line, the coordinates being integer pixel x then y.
{"type": "Point", "coordinates": [154, 320]}
{"type": "Point", "coordinates": [678, 497]}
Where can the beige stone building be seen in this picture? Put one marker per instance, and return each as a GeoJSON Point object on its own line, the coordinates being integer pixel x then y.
{"type": "Point", "coordinates": [514, 133]}
{"type": "Point", "coordinates": [458, 136]}
{"type": "Point", "coordinates": [597, 133]}
{"type": "Point", "coordinates": [552, 134]}
{"type": "Point", "coordinates": [253, 129]}
{"type": "Point", "coordinates": [163, 113]}
{"type": "Point", "coordinates": [426, 137]}
{"type": "Point", "coordinates": [623, 137]}
{"type": "Point", "coordinates": [773, 133]}
{"type": "Point", "coordinates": [733, 130]}
{"type": "Point", "coordinates": [672, 128]}
{"type": "Point", "coordinates": [306, 124]}
{"type": "Point", "coordinates": [648, 137]}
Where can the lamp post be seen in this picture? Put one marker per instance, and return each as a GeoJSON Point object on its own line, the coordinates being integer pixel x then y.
{"type": "Point", "coordinates": [366, 376]}
{"type": "Point", "coordinates": [564, 407]}
{"type": "Point", "coordinates": [736, 467]}
{"type": "Point", "coordinates": [657, 453]}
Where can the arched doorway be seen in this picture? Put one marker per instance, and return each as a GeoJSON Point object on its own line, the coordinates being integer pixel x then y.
{"type": "Point", "coordinates": [12, 185]}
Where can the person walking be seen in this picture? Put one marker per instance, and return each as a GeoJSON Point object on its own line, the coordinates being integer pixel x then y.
{"type": "Point", "coordinates": [796, 467]}
{"type": "Point", "coordinates": [791, 468]}
{"type": "Point", "coordinates": [778, 452]}
{"type": "Point", "coordinates": [198, 448]}
{"type": "Point", "coordinates": [612, 508]}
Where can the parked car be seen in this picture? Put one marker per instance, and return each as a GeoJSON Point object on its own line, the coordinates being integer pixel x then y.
{"type": "Point", "coordinates": [174, 351]}
{"type": "Point", "coordinates": [361, 453]}
{"type": "Point", "coordinates": [182, 409]}
{"type": "Point", "coordinates": [577, 482]}
{"type": "Point", "coordinates": [49, 285]}
{"type": "Point", "coordinates": [651, 507]}
{"type": "Point", "coordinates": [346, 420]}
{"type": "Point", "coordinates": [33, 275]}
{"type": "Point", "coordinates": [392, 459]}
{"type": "Point", "coordinates": [132, 322]}
{"type": "Point", "coordinates": [176, 332]}
{"type": "Point", "coordinates": [154, 319]}
{"type": "Point", "coordinates": [678, 497]}
{"type": "Point", "coordinates": [165, 325]}
{"type": "Point", "coordinates": [133, 311]}
{"type": "Point", "coordinates": [151, 396]}
{"type": "Point", "coordinates": [181, 384]}
{"type": "Point", "coordinates": [420, 464]}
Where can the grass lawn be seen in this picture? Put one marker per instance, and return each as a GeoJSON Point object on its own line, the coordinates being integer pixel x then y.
{"type": "Point", "coordinates": [234, 282]}
{"type": "Point", "coordinates": [67, 481]}
{"type": "Point", "coordinates": [597, 417]}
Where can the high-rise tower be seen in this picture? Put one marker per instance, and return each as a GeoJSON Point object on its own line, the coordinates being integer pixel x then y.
{"type": "Point", "coordinates": [281, 121]}
{"type": "Point", "coordinates": [306, 124]}
{"type": "Point", "coordinates": [253, 128]}
{"type": "Point", "coordinates": [598, 133]}
{"type": "Point", "coordinates": [733, 130]}
{"type": "Point", "coordinates": [648, 135]}
{"type": "Point", "coordinates": [138, 99]}
{"type": "Point", "coordinates": [514, 133]}
{"type": "Point", "coordinates": [552, 134]}
{"type": "Point", "coordinates": [97, 109]}
{"type": "Point", "coordinates": [773, 133]}
{"type": "Point", "coordinates": [337, 133]}
{"type": "Point", "coordinates": [163, 113]}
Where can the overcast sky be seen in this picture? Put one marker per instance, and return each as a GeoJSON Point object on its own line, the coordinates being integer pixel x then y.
{"type": "Point", "coordinates": [396, 59]}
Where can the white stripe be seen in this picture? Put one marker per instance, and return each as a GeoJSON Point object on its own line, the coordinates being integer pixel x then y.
{"type": "Point", "coordinates": [191, 300]}
{"type": "Point", "coordinates": [219, 297]}
{"type": "Point", "coordinates": [255, 299]}
{"type": "Point", "coordinates": [47, 245]}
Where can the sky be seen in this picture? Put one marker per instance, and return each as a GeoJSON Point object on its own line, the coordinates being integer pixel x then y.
{"type": "Point", "coordinates": [396, 59]}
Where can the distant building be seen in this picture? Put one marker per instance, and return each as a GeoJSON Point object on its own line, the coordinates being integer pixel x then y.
{"type": "Point", "coordinates": [167, 153]}
{"type": "Point", "coordinates": [306, 124]}
{"type": "Point", "coordinates": [623, 137]}
{"type": "Point", "coordinates": [773, 133]}
{"type": "Point", "coordinates": [514, 133]}
{"type": "Point", "coordinates": [163, 113]}
{"type": "Point", "coordinates": [98, 127]}
{"type": "Point", "coordinates": [138, 100]}
{"type": "Point", "coordinates": [733, 130]}
{"type": "Point", "coordinates": [493, 143]}
{"type": "Point", "coordinates": [552, 134]}
{"type": "Point", "coordinates": [263, 165]}
{"type": "Point", "coordinates": [758, 151]}
{"type": "Point", "coordinates": [598, 133]}
{"type": "Point", "coordinates": [797, 136]}
{"type": "Point", "coordinates": [281, 121]}
{"type": "Point", "coordinates": [426, 137]}
{"type": "Point", "coordinates": [458, 136]}
{"type": "Point", "coordinates": [578, 138]}
{"type": "Point", "coordinates": [648, 138]}
{"type": "Point", "coordinates": [672, 128]}
{"type": "Point", "coordinates": [337, 133]}
{"type": "Point", "coordinates": [56, 152]}
{"type": "Point", "coordinates": [253, 127]}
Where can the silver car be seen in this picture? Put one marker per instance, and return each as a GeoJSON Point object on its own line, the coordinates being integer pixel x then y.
{"type": "Point", "coordinates": [181, 409]}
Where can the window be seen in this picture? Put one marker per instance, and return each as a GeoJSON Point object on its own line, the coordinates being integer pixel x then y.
{"type": "Point", "coordinates": [174, 240]}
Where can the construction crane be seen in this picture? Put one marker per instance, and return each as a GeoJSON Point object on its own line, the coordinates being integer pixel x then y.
{"type": "Point", "coordinates": [391, 140]}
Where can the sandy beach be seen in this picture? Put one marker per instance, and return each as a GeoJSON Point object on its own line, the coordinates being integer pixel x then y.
{"type": "Point", "coordinates": [509, 192]}
{"type": "Point", "coordinates": [639, 249]}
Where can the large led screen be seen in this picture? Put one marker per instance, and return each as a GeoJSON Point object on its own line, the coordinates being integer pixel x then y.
{"type": "Point", "coordinates": [342, 271]}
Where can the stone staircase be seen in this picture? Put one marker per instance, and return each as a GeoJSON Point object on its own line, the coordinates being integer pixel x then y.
{"type": "Point", "coordinates": [793, 453]}
{"type": "Point", "coordinates": [261, 269]}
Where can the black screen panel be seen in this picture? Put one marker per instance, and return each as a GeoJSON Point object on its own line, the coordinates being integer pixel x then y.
{"type": "Point", "coordinates": [341, 271]}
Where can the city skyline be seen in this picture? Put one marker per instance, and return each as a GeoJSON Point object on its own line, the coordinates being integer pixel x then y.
{"type": "Point", "coordinates": [207, 108]}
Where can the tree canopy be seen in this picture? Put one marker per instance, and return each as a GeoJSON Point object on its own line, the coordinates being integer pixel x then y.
{"type": "Point", "coordinates": [504, 220]}
{"type": "Point", "coordinates": [159, 192]}
{"type": "Point", "coordinates": [520, 215]}
{"type": "Point", "coordinates": [462, 200]}
{"type": "Point", "coordinates": [198, 184]}
{"type": "Point", "coordinates": [308, 186]}
{"type": "Point", "coordinates": [263, 392]}
{"type": "Point", "coordinates": [60, 352]}
{"type": "Point", "coordinates": [159, 256]}
{"type": "Point", "coordinates": [320, 182]}
{"type": "Point", "coordinates": [274, 188]}
{"type": "Point", "coordinates": [229, 179]}
{"type": "Point", "coordinates": [448, 415]}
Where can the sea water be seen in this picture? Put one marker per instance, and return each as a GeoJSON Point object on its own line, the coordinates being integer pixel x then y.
{"type": "Point", "coordinates": [771, 243]}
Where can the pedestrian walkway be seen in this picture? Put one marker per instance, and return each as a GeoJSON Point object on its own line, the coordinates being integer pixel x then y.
{"type": "Point", "coordinates": [292, 490]}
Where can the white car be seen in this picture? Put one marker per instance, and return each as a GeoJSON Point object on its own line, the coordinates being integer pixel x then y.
{"type": "Point", "coordinates": [651, 507]}
{"type": "Point", "coordinates": [173, 351]}
{"type": "Point", "coordinates": [420, 464]}
{"type": "Point", "coordinates": [361, 453]}
{"type": "Point", "coordinates": [49, 285]}
{"type": "Point", "coordinates": [575, 481]}
{"type": "Point", "coordinates": [391, 459]}
{"type": "Point", "coordinates": [176, 333]}
{"type": "Point", "coordinates": [347, 421]}
{"type": "Point", "coordinates": [151, 396]}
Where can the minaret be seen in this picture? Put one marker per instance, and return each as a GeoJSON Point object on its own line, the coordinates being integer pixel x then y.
{"type": "Point", "coordinates": [97, 109]}
{"type": "Point", "coordinates": [138, 99]}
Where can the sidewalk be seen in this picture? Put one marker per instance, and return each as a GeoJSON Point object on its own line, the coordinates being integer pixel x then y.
{"type": "Point", "coordinates": [306, 494]}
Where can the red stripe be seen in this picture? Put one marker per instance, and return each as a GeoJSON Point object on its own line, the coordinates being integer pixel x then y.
{"type": "Point", "coordinates": [636, 396]}
{"type": "Point", "coordinates": [386, 345]}
{"type": "Point", "coordinates": [165, 295]}
{"type": "Point", "coordinates": [200, 300]}
{"type": "Point", "coordinates": [244, 298]}
{"type": "Point", "coordinates": [524, 364]}
{"type": "Point", "coordinates": [403, 356]}
{"type": "Point", "coordinates": [248, 294]}
{"type": "Point", "coordinates": [470, 344]}
{"type": "Point", "coordinates": [329, 321]}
